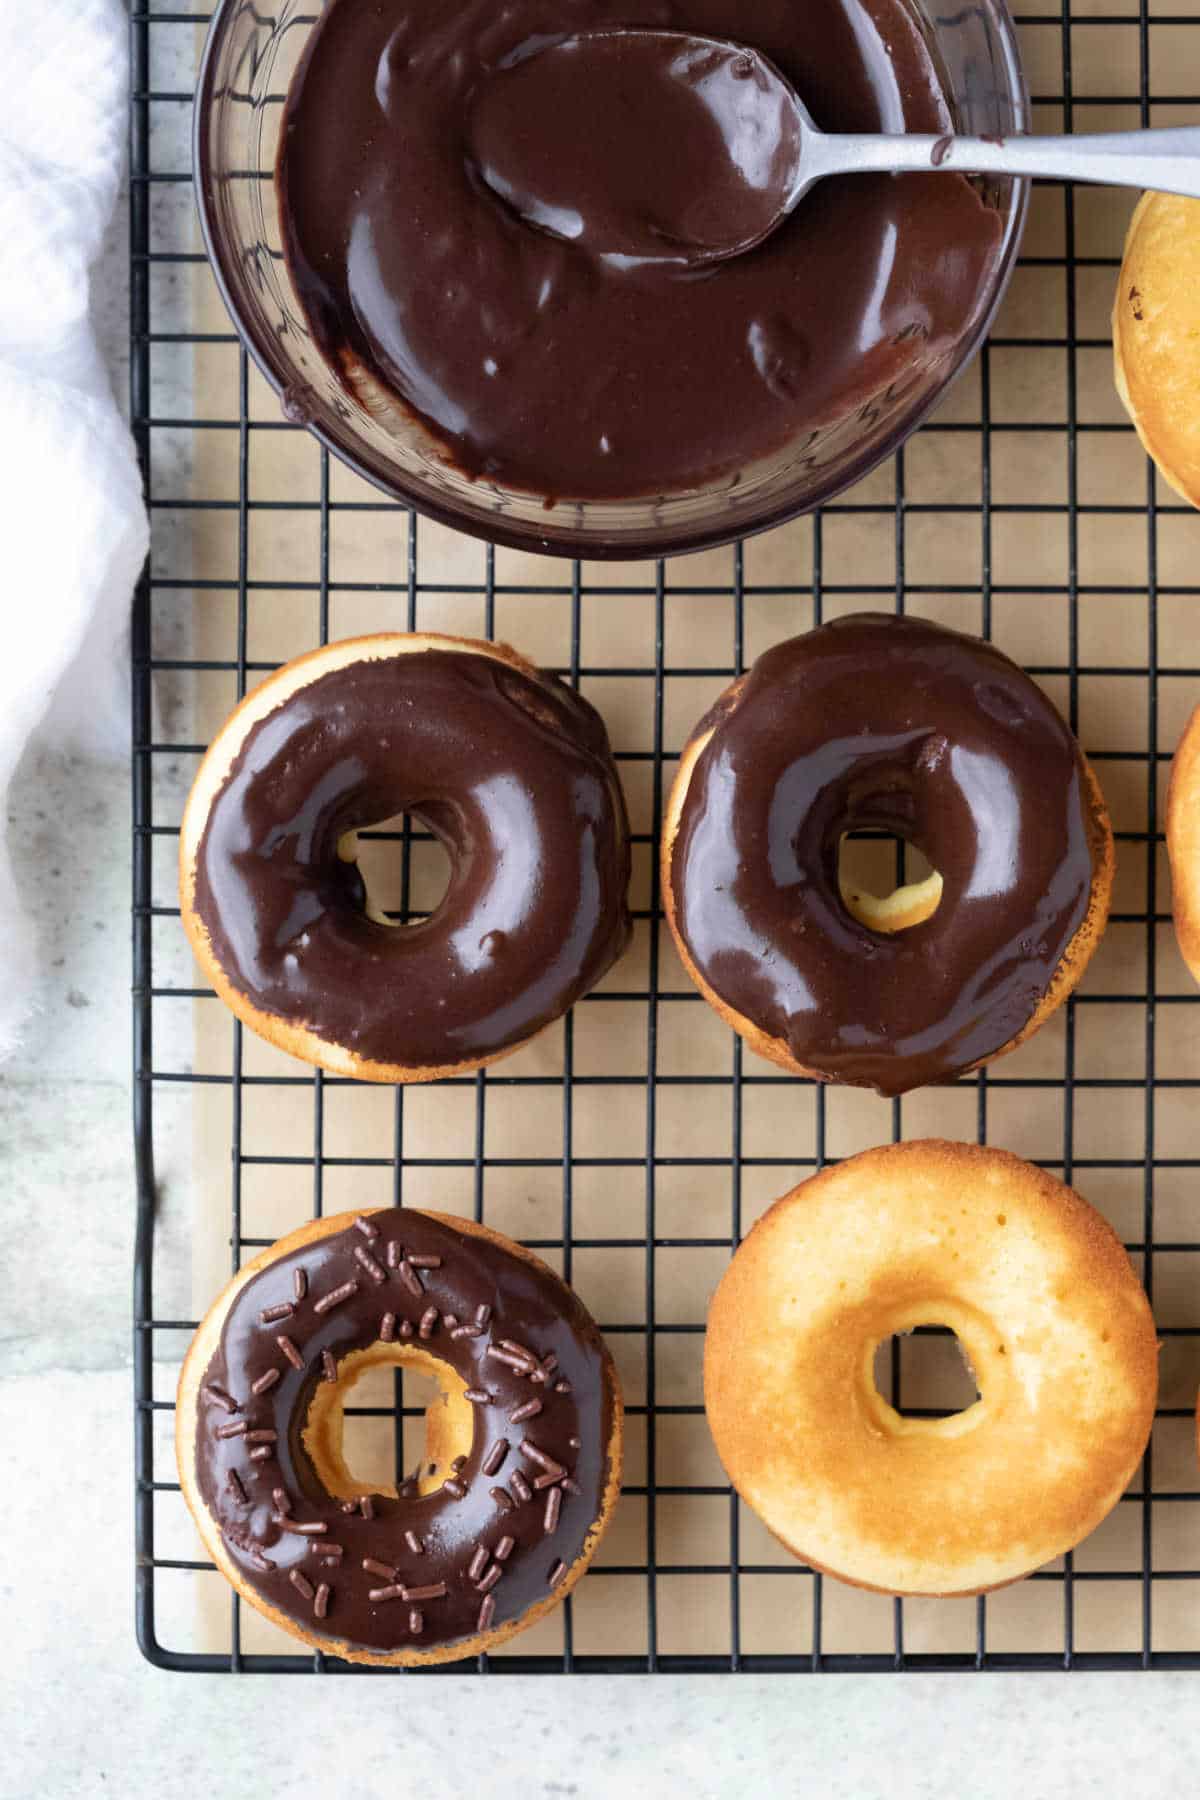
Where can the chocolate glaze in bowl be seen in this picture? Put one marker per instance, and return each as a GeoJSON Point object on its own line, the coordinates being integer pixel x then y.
{"type": "Point", "coordinates": [728, 402]}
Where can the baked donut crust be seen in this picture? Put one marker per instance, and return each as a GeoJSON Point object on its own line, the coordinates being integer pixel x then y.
{"type": "Point", "coordinates": [907, 907]}
{"type": "Point", "coordinates": [297, 1039]}
{"type": "Point", "coordinates": [1156, 336]}
{"type": "Point", "coordinates": [323, 1447]}
{"type": "Point", "coordinates": [1183, 842]}
{"type": "Point", "coordinates": [1046, 1305]}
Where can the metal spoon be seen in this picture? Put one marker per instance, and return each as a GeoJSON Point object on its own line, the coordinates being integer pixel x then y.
{"type": "Point", "coordinates": [667, 147]}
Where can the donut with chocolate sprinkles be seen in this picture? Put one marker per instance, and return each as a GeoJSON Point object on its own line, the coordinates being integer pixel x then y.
{"type": "Point", "coordinates": [467, 1559]}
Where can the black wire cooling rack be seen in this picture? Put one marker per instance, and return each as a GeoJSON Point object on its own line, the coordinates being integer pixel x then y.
{"type": "Point", "coordinates": [1118, 545]}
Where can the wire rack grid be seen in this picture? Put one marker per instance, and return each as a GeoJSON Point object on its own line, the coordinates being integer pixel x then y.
{"type": "Point", "coordinates": [1025, 511]}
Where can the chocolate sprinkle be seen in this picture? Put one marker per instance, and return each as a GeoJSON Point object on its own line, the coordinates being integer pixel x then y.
{"type": "Point", "coordinates": [336, 1297]}
{"type": "Point", "coordinates": [483, 1313]}
{"type": "Point", "coordinates": [478, 1397]}
{"type": "Point", "coordinates": [392, 1592]}
{"type": "Point", "coordinates": [521, 1350]}
{"type": "Point", "coordinates": [406, 1329]}
{"type": "Point", "coordinates": [252, 1554]}
{"type": "Point", "coordinates": [321, 1604]}
{"type": "Point", "coordinates": [282, 1503]}
{"type": "Point", "coordinates": [502, 1497]}
{"type": "Point", "coordinates": [264, 1382]}
{"type": "Point", "coordinates": [536, 1454]}
{"type": "Point", "coordinates": [378, 1568]}
{"type": "Point", "coordinates": [455, 1488]}
{"type": "Point", "coordinates": [429, 1319]}
{"type": "Point", "coordinates": [220, 1398]}
{"type": "Point", "coordinates": [504, 1549]}
{"type": "Point", "coordinates": [425, 1262]}
{"type": "Point", "coordinates": [310, 1527]}
{"type": "Point", "coordinates": [328, 1552]}
{"type": "Point", "coordinates": [416, 1621]}
{"type": "Point", "coordinates": [299, 1283]}
{"type": "Point", "coordinates": [414, 1543]}
{"type": "Point", "coordinates": [529, 1409]}
{"type": "Point", "coordinates": [487, 1612]}
{"type": "Point", "coordinates": [238, 1429]}
{"type": "Point", "coordinates": [436, 1590]}
{"type": "Point", "coordinates": [460, 1462]}
{"type": "Point", "coordinates": [365, 1226]}
{"type": "Point", "coordinates": [512, 1362]}
{"type": "Point", "coordinates": [575, 1443]}
{"type": "Point", "coordinates": [374, 1269]}
{"type": "Point", "coordinates": [387, 1328]}
{"type": "Point", "coordinates": [408, 1276]}
{"type": "Point", "coordinates": [284, 1310]}
{"type": "Point", "coordinates": [557, 1573]}
{"type": "Point", "coordinates": [392, 1253]}
{"type": "Point", "coordinates": [301, 1583]}
{"type": "Point", "coordinates": [264, 1453]}
{"type": "Point", "coordinates": [571, 1487]}
{"type": "Point", "coordinates": [290, 1351]}
{"type": "Point", "coordinates": [562, 1387]}
{"type": "Point", "coordinates": [553, 1508]}
{"type": "Point", "coordinates": [462, 1331]}
{"type": "Point", "coordinates": [495, 1457]}
{"type": "Point", "coordinates": [520, 1486]}
{"type": "Point", "coordinates": [328, 1366]}
{"type": "Point", "coordinates": [478, 1562]}
{"type": "Point", "coordinates": [233, 1482]}
{"type": "Point", "coordinates": [366, 1507]}
{"type": "Point", "coordinates": [490, 1579]}
{"type": "Point", "coordinates": [265, 1436]}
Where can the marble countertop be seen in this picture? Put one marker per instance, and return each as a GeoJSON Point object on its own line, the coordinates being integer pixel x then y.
{"type": "Point", "coordinates": [85, 1716]}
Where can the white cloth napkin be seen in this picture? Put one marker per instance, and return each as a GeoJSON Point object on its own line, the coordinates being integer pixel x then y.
{"type": "Point", "coordinates": [73, 529]}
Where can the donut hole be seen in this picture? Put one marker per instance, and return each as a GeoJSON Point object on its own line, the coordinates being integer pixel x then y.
{"type": "Point", "coordinates": [395, 1411]}
{"type": "Point", "coordinates": [886, 883]}
{"type": "Point", "coordinates": [405, 868]}
{"type": "Point", "coordinates": [925, 1373]}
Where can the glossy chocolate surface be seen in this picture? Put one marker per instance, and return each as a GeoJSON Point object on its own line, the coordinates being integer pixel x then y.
{"type": "Point", "coordinates": [891, 724]}
{"type": "Point", "coordinates": [513, 774]}
{"type": "Point", "coordinates": [556, 1359]}
{"type": "Point", "coordinates": [743, 143]}
{"type": "Point", "coordinates": [562, 371]}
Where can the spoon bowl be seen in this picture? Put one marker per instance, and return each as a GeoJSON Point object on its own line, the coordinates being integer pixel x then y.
{"type": "Point", "coordinates": [754, 151]}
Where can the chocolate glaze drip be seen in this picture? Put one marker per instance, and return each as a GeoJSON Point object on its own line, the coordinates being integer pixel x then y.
{"type": "Point", "coordinates": [563, 1447]}
{"type": "Point", "coordinates": [892, 724]}
{"type": "Point", "coordinates": [569, 373]}
{"type": "Point", "coordinates": [513, 774]}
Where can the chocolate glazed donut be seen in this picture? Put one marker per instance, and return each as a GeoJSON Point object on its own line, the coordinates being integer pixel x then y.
{"type": "Point", "coordinates": [522, 1460]}
{"type": "Point", "coordinates": [891, 724]}
{"type": "Point", "coordinates": [508, 767]}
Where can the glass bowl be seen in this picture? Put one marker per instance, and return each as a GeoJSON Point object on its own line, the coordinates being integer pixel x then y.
{"type": "Point", "coordinates": [248, 62]}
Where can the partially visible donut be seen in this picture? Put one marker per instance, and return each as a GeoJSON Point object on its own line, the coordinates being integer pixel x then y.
{"type": "Point", "coordinates": [880, 723]}
{"type": "Point", "coordinates": [510, 768]}
{"type": "Point", "coordinates": [1183, 842]}
{"type": "Point", "coordinates": [522, 1465]}
{"type": "Point", "coordinates": [1156, 335]}
{"type": "Point", "coordinates": [1048, 1311]}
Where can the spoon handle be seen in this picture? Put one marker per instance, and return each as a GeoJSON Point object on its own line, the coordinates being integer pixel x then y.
{"type": "Point", "coordinates": [1168, 160]}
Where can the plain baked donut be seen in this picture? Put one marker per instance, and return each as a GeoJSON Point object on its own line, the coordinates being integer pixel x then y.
{"type": "Point", "coordinates": [893, 724]}
{"type": "Point", "coordinates": [510, 768]}
{"type": "Point", "coordinates": [522, 1461]}
{"type": "Point", "coordinates": [1048, 1311]}
{"type": "Point", "coordinates": [1156, 335]}
{"type": "Point", "coordinates": [1183, 842]}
